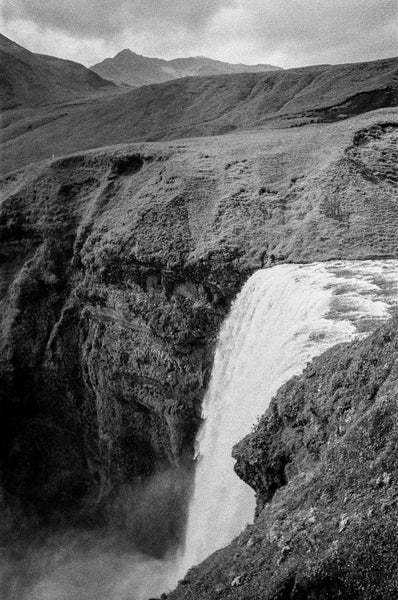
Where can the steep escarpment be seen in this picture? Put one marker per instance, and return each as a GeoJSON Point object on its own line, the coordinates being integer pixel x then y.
{"type": "Point", "coordinates": [117, 269]}
{"type": "Point", "coordinates": [106, 336]}
{"type": "Point", "coordinates": [103, 368]}
{"type": "Point", "coordinates": [323, 463]}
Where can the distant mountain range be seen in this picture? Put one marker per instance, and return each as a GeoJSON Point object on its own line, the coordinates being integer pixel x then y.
{"type": "Point", "coordinates": [61, 106]}
{"type": "Point", "coordinates": [198, 106]}
{"type": "Point", "coordinates": [130, 68]}
{"type": "Point", "coordinates": [33, 79]}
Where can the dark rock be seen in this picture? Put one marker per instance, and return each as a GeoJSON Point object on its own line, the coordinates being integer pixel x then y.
{"type": "Point", "coordinates": [117, 270]}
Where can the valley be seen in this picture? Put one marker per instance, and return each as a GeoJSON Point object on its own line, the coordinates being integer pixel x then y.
{"type": "Point", "coordinates": [130, 221]}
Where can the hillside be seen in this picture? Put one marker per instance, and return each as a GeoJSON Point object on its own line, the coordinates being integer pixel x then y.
{"type": "Point", "coordinates": [134, 69]}
{"type": "Point", "coordinates": [200, 106]}
{"type": "Point", "coordinates": [28, 79]}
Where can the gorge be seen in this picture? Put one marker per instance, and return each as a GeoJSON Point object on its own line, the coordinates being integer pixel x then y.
{"type": "Point", "coordinates": [130, 273]}
{"type": "Point", "coordinates": [282, 318]}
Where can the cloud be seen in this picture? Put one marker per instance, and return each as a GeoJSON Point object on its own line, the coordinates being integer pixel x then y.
{"type": "Point", "coordinates": [285, 32]}
{"type": "Point", "coordinates": [312, 31]}
{"type": "Point", "coordinates": [107, 18]}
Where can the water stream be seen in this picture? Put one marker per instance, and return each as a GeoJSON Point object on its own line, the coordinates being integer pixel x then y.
{"type": "Point", "coordinates": [282, 318]}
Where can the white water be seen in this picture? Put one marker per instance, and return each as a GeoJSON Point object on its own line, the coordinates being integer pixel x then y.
{"type": "Point", "coordinates": [282, 318]}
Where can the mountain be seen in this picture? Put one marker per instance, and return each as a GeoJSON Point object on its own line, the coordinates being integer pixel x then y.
{"type": "Point", "coordinates": [200, 106]}
{"type": "Point", "coordinates": [134, 69]}
{"type": "Point", "coordinates": [29, 79]}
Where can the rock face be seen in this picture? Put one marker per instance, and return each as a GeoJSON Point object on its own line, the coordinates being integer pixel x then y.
{"type": "Point", "coordinates": [323, 462]}
{"type": "Point", "coordinates": [105, 352]}
{"type": "Point", "coordinates": [106, 335]}
{"type": "Point", "coordinates": [117, 268]}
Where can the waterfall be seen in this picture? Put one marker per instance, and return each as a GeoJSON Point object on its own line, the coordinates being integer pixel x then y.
{"type": "Point", "coordinates": [283, 317]}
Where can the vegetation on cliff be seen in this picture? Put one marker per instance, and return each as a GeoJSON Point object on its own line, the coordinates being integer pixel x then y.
{"type": "Point", "coordinates": [117, 268]}
{"type": "Point", "coordinates": [323, 463]}
{"type": "Point", "coordinates": [119, 265]}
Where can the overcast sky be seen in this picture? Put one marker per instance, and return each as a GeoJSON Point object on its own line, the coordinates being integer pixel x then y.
{"type": "Point", "coordinates": [287, 33]}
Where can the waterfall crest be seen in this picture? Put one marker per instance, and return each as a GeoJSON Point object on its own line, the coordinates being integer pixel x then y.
{"type": "Point", "coordinates": [282, 318]}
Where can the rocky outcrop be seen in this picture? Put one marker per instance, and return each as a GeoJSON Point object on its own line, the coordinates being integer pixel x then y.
{"type": "Point", "coordinates": [312, 411]}
{"type": "Point", "coordinates": [106, 346]}
{"type": "Point", "coordinates": [117, 269]}
{"type": "Point", "coordinates": [323, 463]}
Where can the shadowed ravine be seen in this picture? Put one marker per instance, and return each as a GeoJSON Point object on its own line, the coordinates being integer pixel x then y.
{"type": "Point", "coordinates": [119, 268]}
{"type": "Point", "coordinates": [282, 318]}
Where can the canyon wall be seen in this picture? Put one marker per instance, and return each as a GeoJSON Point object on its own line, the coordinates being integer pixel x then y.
{"type": "Point", "coordinates": [117, 269]}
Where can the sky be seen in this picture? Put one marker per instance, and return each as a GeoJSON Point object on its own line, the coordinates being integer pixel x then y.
{"type": "Point", "coordinates": [287, 33]}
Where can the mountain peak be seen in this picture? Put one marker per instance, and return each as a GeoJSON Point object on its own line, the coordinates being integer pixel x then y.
{"type": "Point", "coordinates": [126, 52]}
{"type": "Point", "coordinates": [130, 68]}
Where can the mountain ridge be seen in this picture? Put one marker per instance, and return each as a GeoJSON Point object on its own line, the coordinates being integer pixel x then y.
{"type": "Point", "coordinates": [34, 79]}
{"type": "Point", "coordinates": [200, 106]}
{"type": "Point", "coordinates": [128, 67]}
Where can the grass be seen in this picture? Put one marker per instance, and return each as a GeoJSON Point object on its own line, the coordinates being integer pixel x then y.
{"type": "Point", "coordinates": [298, 193]}
{"type": "Point", "coordinates": [30, 79]}
{"type": "Point", "coordinates": [197, 106]}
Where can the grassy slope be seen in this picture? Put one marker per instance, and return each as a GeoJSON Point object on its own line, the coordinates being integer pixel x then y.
{"type": "Point", "coordinates": [302, 193]}
{"type": "Point", "coordinates": [197, 107]}
{"type": "Point", "coordinates": [29, 79]}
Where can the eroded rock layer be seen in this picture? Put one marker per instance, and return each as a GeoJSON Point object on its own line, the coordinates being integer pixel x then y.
{"type": "Point", "coordinates": [118, 266]}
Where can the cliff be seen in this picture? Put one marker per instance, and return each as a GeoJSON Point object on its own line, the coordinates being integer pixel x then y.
{"type": "Point", "coordinates": [117, 268]}
{"type": "Point", "coordinates": [323, 463]}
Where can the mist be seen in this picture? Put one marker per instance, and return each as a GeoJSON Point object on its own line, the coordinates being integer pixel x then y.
{"type": "Point", "coordinates": [80, 565]}
{"type": "Point", "coordinates": [132, 555]}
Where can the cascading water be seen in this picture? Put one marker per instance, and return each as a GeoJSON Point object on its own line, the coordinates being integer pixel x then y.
{"type": "Point", "coordinates": [282, 318]}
